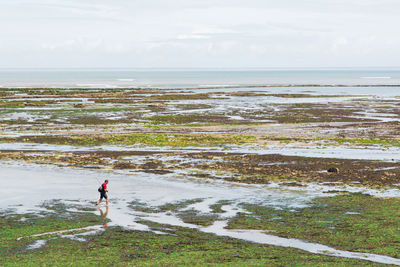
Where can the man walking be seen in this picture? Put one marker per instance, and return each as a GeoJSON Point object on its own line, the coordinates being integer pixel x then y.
{"type": "Point", "coordinates": [103, 192]}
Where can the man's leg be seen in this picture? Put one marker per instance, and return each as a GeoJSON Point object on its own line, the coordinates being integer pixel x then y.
{"type": "Point", "coordinates": [107, 201]}
{"type": "Point", "coordinates": [98, 201]}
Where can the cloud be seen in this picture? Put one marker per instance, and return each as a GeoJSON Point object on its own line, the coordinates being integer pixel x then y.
{"type": "Point", "coordinates": [72, 44]}
{"type": "Point", "coordinates": [208, 33]}
{"type": "Point", "coordinates": [338, 43]}
{"type": "Point", "coordinates": [192, 36]}
{"type": "Point", "coordinates": [214, 31]}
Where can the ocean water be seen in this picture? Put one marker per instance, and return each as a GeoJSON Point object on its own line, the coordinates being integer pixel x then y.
{"type": "Point", "coordinates": [182, 78]}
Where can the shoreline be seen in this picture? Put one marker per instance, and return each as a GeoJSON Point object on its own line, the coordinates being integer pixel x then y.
{"type": "Point", "coordinates": [278, 85]}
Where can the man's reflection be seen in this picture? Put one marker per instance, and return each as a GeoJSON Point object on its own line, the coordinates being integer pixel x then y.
{"type": "Point", "coordinates": [103, 214]}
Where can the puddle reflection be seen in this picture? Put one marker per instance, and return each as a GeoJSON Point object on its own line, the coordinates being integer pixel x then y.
{"type": "Point", "coordinates": [103, 214]}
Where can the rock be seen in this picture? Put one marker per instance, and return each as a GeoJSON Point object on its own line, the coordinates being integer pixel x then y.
{"type": "Point", "coordinates": [291, 184]}
{"type": "Point", "coordinates": [333, 169]}
{"type": "Point", "coordinates": [389, 174]}
{"type": "Point", "coordinates": [79, 105]}
{"type": "Point", "coordinates": [157, 171]}
{"type": "Point", "coordinates": [124, 165]}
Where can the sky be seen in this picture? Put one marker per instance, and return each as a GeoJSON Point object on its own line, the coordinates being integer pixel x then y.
{"type": "Point", "coordinates": [199, 33]}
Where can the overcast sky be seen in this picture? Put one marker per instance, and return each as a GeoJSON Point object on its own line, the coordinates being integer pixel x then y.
{"type": "Point", "coordinates": [199, 33]}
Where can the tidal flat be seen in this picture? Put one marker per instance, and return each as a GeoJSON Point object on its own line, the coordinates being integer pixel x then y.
{"type": "Point", "coordinates": [200, 176]}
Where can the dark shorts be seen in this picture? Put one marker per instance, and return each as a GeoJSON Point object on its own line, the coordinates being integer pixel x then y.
{"type": "Point", "coordinates": [103, 195]}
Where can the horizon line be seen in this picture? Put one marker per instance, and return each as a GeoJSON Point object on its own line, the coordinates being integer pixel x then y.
{"type": "Point", "coordinates": [202, 68]}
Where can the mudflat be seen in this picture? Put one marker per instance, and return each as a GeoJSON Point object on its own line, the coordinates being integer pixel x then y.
{"type": "Point", "coordinates": [218, 176]}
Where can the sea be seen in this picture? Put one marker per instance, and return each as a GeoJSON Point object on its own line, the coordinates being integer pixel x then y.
{"type": "Point", "coordinates": [194, 78]}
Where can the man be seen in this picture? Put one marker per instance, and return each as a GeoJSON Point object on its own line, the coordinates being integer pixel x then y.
{"type": "Point", "coordinates": [103, 192]}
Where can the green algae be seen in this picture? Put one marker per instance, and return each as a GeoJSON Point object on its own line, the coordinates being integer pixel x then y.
{"type": "Point", "coordinates": [217, 207]}
{"type": "Point", "coordinates": [16, 234]}
{"type": "Point", "coordinates": [152, 139]}
{"type": "Point", "coordinates": [364, 141]}
{"type": "Point", "coordinates": [354, 222]}
{"type": "Point", "coordinates": [185, 119]}
{"type": "Point", "coordinates": [119, 247]}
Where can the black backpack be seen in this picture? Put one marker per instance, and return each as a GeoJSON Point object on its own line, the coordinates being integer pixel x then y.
{"type": "Point", "coordinates": [101, 188]}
